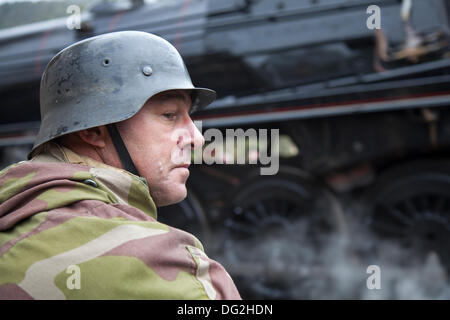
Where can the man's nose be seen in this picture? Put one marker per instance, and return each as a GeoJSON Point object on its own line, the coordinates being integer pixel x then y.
{"type": "Point", "coordinates": [197, 138]}
{"type": "Point", "coordinates": [191, 135]}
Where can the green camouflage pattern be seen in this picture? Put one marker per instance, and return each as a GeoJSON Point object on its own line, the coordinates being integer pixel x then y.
{"type": "Point", "coordinates": [79, 230]}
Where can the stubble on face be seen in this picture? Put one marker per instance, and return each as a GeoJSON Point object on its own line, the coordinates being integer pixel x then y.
{"type": "Point", "coordinates": [152, 145]}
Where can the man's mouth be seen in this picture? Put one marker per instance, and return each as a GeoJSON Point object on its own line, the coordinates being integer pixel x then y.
{"type": "Point", "coordinates": [183, 166]}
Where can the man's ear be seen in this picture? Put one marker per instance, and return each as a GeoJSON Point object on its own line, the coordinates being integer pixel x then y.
{"type": "Point", "coordinates": [96, 137]}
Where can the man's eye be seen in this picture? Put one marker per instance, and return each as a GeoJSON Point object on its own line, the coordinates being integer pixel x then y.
{"type": "Point", "coordinates": [169, 115]}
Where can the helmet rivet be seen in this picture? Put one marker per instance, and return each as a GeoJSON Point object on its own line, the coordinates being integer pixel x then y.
{"type": "Point", "coordinates": [147, 70]}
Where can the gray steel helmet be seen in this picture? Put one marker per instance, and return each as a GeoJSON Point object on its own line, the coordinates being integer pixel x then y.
{"type": "Point", "coordinates": [107, 79]}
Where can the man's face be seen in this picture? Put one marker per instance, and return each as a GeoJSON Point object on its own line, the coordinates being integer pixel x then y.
{"type": "Point", "coordinates": [159, 138]}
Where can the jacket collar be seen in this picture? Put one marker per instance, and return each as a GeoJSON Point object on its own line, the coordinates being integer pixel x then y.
{"type": "Point", "coordinates": [126, 187]}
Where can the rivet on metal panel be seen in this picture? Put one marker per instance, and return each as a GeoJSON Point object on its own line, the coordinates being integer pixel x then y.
{"type": "Point", "coordinates": [147, 70]}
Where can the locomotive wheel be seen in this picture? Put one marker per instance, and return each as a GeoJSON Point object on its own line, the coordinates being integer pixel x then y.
{"type": "Point", "coordinates": [410, 204]}
{"type": "Point", "coordinates": [272, 227]}
{"type": "Point", "coordinates": [188, 215]}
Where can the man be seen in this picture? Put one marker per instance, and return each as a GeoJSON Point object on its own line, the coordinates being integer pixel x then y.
{"type": "Point", "coordinates": [78, 220]}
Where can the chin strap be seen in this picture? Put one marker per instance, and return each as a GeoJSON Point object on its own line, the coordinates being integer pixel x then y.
{"type": "Point", "coordinates": [121, 149]}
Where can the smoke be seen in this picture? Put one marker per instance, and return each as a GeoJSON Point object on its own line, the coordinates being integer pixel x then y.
{"type": "Point", "coordinates": [298, 262]}
{"type": "Point", "coordinates": [404, 273]}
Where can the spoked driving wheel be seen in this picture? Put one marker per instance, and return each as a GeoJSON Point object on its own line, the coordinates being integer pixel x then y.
{"type": "Point", "coordinates": [272, 227]}
{"type": "Point", "coordinates": [411, 205]}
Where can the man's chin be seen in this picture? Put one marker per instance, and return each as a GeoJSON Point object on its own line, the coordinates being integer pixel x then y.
{"type": "Point", "coordinates": [171, 197]}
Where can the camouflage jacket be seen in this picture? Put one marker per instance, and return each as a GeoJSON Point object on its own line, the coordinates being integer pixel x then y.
{"type": "Point", "coordinates": [74, 228]}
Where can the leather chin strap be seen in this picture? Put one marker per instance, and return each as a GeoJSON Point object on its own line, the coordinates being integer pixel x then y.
{"type": "Point", "coordinates": [121, 149]}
